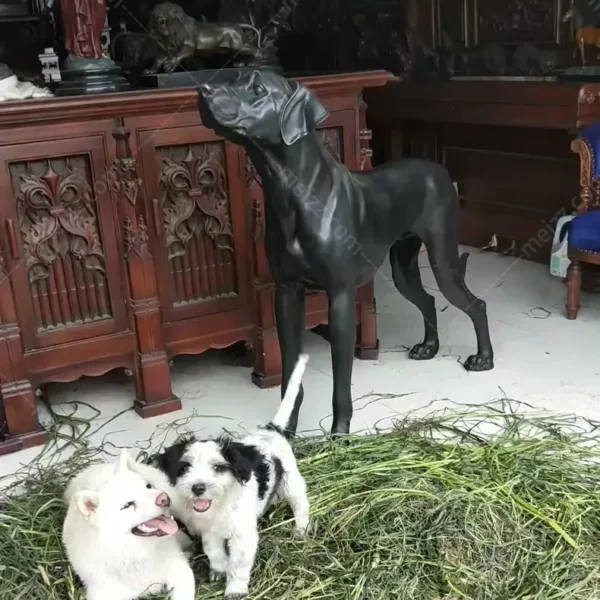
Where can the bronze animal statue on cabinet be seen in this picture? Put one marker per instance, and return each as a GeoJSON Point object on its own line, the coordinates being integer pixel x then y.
{"type": "Point", "coordinates": [183, 38]}
{"type": "Point", "coordinates": [585, 35]}
{"type": "Point", "coordinates": [330, 229]}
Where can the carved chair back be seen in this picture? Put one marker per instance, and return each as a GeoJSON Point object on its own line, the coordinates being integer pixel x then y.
{"type": "Point", "coordinates": [587, 146]}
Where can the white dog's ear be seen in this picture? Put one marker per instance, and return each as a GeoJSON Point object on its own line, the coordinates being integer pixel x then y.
{"type": "Point", "coordinates": [300, 115]}
{"type": "Point", "coordinates": [87, 502]}
{"type": "Point", "coordinates": [125, 462]}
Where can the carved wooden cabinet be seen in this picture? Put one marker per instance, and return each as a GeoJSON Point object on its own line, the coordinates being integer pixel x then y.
{"type": "Point", "coordinates": [130, 234]}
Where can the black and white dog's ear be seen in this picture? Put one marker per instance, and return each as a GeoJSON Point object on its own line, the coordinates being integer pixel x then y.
{"type": "Point", "coordinates": [240, 458]}
{"type": "Point", "coordinates": [300, 115]}
{"type": "Point", "coordinates": [169, 460]}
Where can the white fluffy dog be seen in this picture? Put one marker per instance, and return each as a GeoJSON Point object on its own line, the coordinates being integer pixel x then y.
{"type": "Point", "coordinates": [118, 534]}
{"type": "Point", "coordinates": [222, 487]}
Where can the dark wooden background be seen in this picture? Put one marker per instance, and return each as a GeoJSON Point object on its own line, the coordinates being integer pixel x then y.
{"type": "Point", "coordinates": [506, 144]}
{"type": "Point", "coordinates": [513, 177]}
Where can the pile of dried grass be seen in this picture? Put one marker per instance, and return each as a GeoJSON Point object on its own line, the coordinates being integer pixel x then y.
{"type": "Point", "coordinates": [480, 503]}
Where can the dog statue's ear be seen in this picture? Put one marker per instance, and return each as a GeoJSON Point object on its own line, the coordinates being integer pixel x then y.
{"type": "Point", "coordinates": [87, 502]}
{"type": "Point", "coordinates": [300, 115]}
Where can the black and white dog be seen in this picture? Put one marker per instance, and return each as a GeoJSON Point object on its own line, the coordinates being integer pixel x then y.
{"type": "Point", "coordinates": [222, 487]}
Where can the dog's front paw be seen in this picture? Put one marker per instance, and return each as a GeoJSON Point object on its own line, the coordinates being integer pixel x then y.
{"type": "Point", "coordinates": [424, 351]}
{"type": "Point", "coordinates": [479, 362]}
{"type": "Point", "coordinates": [235, 591]}
{"type": "Point", "coordinates": [302, 527]}
{"type": "Point", "coordinates": [216, 576]}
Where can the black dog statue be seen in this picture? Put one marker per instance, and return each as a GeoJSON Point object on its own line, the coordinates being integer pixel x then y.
{"type": "Point", "coordinates": [330, 229]}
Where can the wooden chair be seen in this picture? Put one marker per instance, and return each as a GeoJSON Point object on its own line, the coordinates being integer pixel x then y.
{"type": "Point", "coordinates": [584, 229]}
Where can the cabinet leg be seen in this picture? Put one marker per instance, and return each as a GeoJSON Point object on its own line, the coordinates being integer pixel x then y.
{"type": "Point", "coordinates": [267, 354]}
{"type": "Point", "coordinates": [367, 344]}
{"type": "Point", "coordinates": [573, 289]}
{"type": "Point", "coordinates": [267, 360]}
{"type": "Point", "coordinates": [153, 386]}
{"type": "Point", "coordinates": [21, 416]}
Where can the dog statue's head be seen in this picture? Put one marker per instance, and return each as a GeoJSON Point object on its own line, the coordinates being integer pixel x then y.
{"type": "Point", "coordinates": [206, 473]}
{"type": "Point", "coordinates": [128, 502]}
{"type": "Point", "coordinates": [260, 105]}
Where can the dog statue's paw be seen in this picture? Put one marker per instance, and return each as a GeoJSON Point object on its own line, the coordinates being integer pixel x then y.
{"type": "Point", "coordinates": [234, 596]}
{"type": "Point", "coordinates": [424, 351]}
{"type": "Point", "coordinates": [216, 576]}
{"type": "Point", "coordinates": [479, 362]}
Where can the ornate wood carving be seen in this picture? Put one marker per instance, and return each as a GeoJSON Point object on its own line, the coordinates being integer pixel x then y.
{"type": "Point", "coordinates": [516, 21]}
{"type": "Point", "coordinates": [578, 146]}
{"type": "Point", "coordinates": [587, 194]}
{"type": "Point", "coordinates": [251, 174]}
{"type": "Point", "coordinates": [59, 230]}
{"type": "Point", "coordinates": [258, 221]}
{"type": "Point", "coordinates": [366, 154]}
{"type": "Point", "coordinates": [379, 26]}
{"type": "Point", "coordinates": [196, 221]}
{"type": "Point", "coordinates": [135, 239]}
{"type": "Point", "coordinates": [194, 200]}
{"type": "Point", "coordinates": [331, 138]}
{"type": "Point", "coordinates": [123, 179]}
{"type": "Point", "coordinates": [3, 272]}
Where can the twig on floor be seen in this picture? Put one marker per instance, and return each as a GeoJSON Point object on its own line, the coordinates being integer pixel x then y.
{"type": "Point", "coordinates": [400, 348]}
{"type": "Point", "coordinates": [532, 315]}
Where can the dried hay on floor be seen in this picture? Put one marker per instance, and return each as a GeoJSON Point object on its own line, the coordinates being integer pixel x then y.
{"type": "Point", "coordinates": [480, 503]}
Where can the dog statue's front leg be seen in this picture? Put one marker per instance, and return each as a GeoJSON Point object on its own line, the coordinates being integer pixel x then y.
{"type": "Point", "coordinates": [242, 551]}
{"type": "Point", "coordinates": [342, 332]}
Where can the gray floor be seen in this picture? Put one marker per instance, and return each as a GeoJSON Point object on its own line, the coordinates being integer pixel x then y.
{"type": "Point", "coordinates": [541, 358]}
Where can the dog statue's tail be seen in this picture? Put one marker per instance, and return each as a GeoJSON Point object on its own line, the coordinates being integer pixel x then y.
{"type": "Point", "coordinates": [281, 420]}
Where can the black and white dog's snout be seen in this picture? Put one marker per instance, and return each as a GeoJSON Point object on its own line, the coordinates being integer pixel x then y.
{"type": "Point", "coordinates": [198, 489]}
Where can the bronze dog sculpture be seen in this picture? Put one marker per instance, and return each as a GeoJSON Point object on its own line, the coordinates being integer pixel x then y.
{"type": "Point", "coordinates": [182, 37]}
{"type": "Point", "coordinates": [330, 229]}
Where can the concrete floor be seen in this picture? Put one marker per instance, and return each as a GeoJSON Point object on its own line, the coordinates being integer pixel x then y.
{"type": "Point", "coordinates": [541, 358]}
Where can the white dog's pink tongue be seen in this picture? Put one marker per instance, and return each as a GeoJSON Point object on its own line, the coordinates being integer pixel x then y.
{"type": "Point", "coordinates": [201, 504]}
{"type": "Point", "coordinates": [164, 524]}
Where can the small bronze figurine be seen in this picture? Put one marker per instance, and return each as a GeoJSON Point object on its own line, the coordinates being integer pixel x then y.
{"type": "Point", "coordinates": [330, 229]}
{"type": "Point", "coordinates": [531, 60]}
{"type": "Point", "coordinates": [182, 37]}
{"type": "Point", "coordinates": [585, 35]}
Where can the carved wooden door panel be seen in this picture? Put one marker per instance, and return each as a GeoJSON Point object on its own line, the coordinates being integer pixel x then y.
{"type": "Point", "coordinates": [339, 135]}
{"type": "Point", "coordinates": [57, 220]}
{"type": "Point", "coordinates": [194, 188]}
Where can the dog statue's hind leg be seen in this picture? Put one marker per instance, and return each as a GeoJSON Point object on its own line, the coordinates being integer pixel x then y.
{"type": "Point", "coordinates": [449, 271]}
{"type": "Point", "coordinates": [404, 259]}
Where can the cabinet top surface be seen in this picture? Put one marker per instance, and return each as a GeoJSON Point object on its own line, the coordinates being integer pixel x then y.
{"type": "Point", "coordinates": [543, 104]}
{"type": "Point", "coordinates": [155, 101]}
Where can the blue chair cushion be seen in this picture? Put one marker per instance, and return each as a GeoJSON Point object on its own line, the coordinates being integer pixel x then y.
{"type": "Point", "coordinates": [591, 136]}
{"type": "Point", "coordinates": [584, 231]}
